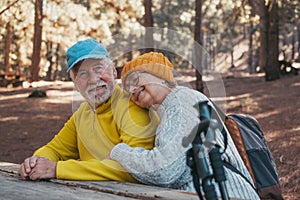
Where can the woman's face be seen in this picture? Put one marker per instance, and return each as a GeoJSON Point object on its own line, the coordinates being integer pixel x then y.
{"type": "Point", "coordinates": [145, 90]}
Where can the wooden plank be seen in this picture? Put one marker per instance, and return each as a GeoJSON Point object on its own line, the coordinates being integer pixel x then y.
{"type": "Point", "coordinates": [14, 188]}
{"type": "Point", "coordinates": [9, 167]}
{"type": "Point", "coordinates": [132, 190]}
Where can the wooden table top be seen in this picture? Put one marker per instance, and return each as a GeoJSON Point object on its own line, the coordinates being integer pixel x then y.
{"type": "Point", "coordinates": [13, 188]}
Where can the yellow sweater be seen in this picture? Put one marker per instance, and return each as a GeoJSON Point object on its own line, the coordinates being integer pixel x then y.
{"type": "Point", "coordinates": [87, 138]}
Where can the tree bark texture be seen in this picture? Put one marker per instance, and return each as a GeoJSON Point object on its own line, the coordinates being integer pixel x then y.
{"type": "Point", "coordinates": [272, 69]}
{"type": "Point", "coordinates": [37, 40]}
{"type": "Point", "coordinates": [197, 55]}
{"type": "Point", "coordinates": [269, 32]}
{"type": "Point", "coordinates": [49, 56]}
{"type": "Point", "coordinates": [7, 48]}
{"type": "Point", "coordinates": [148, 23]}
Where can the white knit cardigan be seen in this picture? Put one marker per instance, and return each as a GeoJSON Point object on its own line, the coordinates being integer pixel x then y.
{"type": "Point", "coordinates": [165, 165]}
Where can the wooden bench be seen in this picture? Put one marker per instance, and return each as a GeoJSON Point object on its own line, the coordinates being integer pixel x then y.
{"type": "Point", "coordinates": [12, 187]}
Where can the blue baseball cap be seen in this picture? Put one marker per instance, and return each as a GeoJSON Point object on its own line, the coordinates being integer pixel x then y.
{"type": "Point", "coordinates": [85, 49]}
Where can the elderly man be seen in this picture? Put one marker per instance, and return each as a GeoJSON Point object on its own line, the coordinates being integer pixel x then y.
{"type": "Point", "coordinates": [107, 118]}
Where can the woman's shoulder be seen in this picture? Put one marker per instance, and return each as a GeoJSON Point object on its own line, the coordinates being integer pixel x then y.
{"type": "Point", "coordinates": [189, 93]}
{"type": "Point", "coordinates": [181, 96]}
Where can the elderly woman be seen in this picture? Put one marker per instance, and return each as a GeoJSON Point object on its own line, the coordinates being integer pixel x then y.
{"type": "Point", "coordinates": [149, 81]}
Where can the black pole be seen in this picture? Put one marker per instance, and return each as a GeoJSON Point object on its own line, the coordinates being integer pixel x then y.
{"type": "Point", "coordinates": [214, 153]}
{"type": "Point", "coordinates": [197, 161]}
{"type": "Point", "coordinates": [218, 170]}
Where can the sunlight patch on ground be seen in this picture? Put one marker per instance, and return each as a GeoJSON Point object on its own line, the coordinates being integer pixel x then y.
{"type": "Point", "coordinates": [267, 114]}
{"type": "Point", "coordinates": [59, 96]}
{"type": "Point", "coordinates": [15, 96]}
{"type": "Point", "coordinates": [59, 93]}
{"type": "Point", "coordinates": [232, 104]}
{"type": "Point", "coordinates": [232, 98]}
{"type": "Point", "coordinates": [290, 139]}
{"type": "Point", "coordinates": [297, 129]}
{"type": "Point", "coordinates": [61, 100]}
{"type": "Point", "coordinates": [5, 119]}
{"type": "Point", "coordinates": [230, 101]}
{"type": "Point", "coordinates": [38, 84]}
{"type": "Point", "coordinates": [295, 84]}
{"type": "Point", "coordinates": [46, 116]}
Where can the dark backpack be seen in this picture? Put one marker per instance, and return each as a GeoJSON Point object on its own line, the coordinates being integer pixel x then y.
{"type": "Point", "coordinates": [252, 146]}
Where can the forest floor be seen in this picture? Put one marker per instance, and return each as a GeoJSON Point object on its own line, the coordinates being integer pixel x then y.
{"type": "Point", "coordinates": [28, 123]}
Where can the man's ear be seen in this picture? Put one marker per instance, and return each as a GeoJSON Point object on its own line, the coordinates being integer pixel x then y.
{"type": "Point", "coordinates": [73, 78]}
{"type": "Point", "coordinates": [76, 86]}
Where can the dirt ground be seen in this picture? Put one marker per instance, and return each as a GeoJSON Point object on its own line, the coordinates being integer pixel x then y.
{"type": "Point", "coordinates": [28, 123]}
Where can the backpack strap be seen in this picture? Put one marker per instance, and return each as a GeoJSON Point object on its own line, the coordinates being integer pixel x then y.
{"type": "Point", "coordinates": [237, 138]}
{"type": "Point", "coordinates": [223, 117]}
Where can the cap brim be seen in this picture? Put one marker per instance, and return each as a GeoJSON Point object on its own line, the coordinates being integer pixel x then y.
{"type": "Point", "coordinates": [95, 56]}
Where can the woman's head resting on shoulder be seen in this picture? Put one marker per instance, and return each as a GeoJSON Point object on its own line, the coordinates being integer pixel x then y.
{"type": "Point", "coordinates": [148, 79]}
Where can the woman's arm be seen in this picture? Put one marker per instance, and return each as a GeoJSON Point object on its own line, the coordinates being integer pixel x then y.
{"type": "Point", "coordinates": [165, 163]}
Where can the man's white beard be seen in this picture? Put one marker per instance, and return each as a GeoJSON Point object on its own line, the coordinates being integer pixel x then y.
{"type": "Point", "coordinates": [95, 99]}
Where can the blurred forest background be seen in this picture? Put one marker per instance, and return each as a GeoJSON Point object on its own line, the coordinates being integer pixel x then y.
{"type": "Point", "coordinates": [35, 34]}
{"type": "Point", "coordinates": [253, 44]}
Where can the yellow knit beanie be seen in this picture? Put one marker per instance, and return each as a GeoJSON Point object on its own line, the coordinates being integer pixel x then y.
{"type": "Point", "coordinates": [153, 63]}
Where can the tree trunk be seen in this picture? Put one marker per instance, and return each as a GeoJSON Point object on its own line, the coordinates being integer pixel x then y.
{"type": "Point", "coordinates": [37, 40]}
{"type": "Point", "coordinates": [7, 48]}
{"type": "Point", "coordinates": [298, 48]}
{"type": "Point", "coordinates": [56, 73]}
{"type": "Point", "coordinates": [49, 56]}
{"type": "Point", "coordinates": [18, 62]}
{"type": "Point", "coordinates": [197, 56]}
{"type": "Point", "coordinates": [293, 44]}
{"type": "Point", "coordinates": [272, 69]}
{"type": "Point", "coordinates": [250, 57]}
{"type": "Point", "coordinates": [256, 61]}
{"type": "Point", "coordinates": [148, 23]}
{"type": "Point", "coordinates": [269, 39]}
{"type": "Point", "coordinates": [230, 36]}
{"type": "Point", "coordinates": [263, 13]}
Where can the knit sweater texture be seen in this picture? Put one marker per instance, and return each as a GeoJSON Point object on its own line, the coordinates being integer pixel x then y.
{"type": "Point", "coordinates": [80, 148]}
{"type": "Point", "coordinates": [165, 165]}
